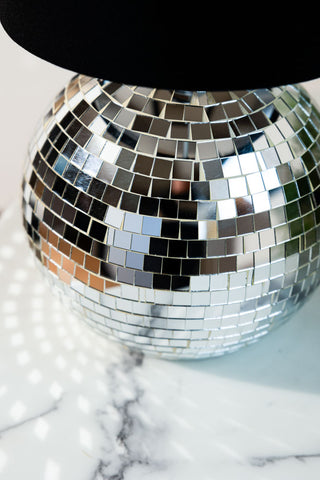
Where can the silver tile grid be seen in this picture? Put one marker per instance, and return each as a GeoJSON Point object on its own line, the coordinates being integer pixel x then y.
{"type": "Point", "coordinates": [185, 224]}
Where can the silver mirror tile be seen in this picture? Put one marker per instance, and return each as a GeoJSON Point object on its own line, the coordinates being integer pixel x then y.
{"type": "Point", "coordinates": [185, 224]}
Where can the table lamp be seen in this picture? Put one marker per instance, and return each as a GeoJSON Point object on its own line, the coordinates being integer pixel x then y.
{"type": "Point", "coordinates": [171, 194]}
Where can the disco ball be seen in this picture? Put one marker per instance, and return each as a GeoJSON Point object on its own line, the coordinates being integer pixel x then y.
{"type": "Point", "coordinates": [181, 223]}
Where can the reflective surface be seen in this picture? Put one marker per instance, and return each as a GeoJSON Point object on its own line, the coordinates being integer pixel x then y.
{"type": "Point", "coordinates": [182, 223]}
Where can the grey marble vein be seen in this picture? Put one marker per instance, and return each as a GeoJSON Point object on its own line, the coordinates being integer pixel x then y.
{"type": "Point", "coordinates": [129, 440]}
{"type": "Point", "coordinates": [263, 461]}
{"type": "Point", "coordinates": [27, 420]}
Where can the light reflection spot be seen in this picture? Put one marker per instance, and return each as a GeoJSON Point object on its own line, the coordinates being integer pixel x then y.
{"type": "Point", "coordinates": [14, 289]}
{"type": "Point", "coordinates": [52, 470]}
{"type": "Point", "coordinates": [35, 376]}
{"type": "Point", "coordinates": [6, 252]}
{"type": "Point", "coordinates": [23, 358]}
{"type": "Point", "coordinates": [83, 404]}
{"type": "Point", "coordinates": [41, 428]}
{"type": "Point", "coordinates": [17, 339]}
{"type": "Point", "coordinates": [11, 322]}
{"type": "Point", "coordinates": [20, 275]}
{"type": "Point", "coordinates": [3, 390]}
{"type": "Point", "coordinates": [9, 306]}
{"type": "Point", "coordinates": [18, 237]}
{"type": "Point", "coordinates": [76, 375]}
{"type": "Point", "coordinates": [83, 360]}
{"type": "Point", "coordinates": [56, 390]}
{"type": "Point", "coordinates": [3, 460]}
{"type": "Point", "coordinates": [17, 410]}
{"type": "Point", "coordinates": [182, 450]}
{"type": "Point", "coordinates": [40, 332]}
{"type": "Point", "coordinates": [85, 438]}
{"type": "Point", "coordinates": [61, 362]}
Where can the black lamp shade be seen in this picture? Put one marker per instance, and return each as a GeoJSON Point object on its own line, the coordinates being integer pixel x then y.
{"type": "Point", "coordinates": [179, 45]}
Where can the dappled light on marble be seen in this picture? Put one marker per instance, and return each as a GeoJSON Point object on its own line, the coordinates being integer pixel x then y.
{"type": "Point", "coordinates": [51, 354]}
{"type": "Point", "coordinates": [75, 406]}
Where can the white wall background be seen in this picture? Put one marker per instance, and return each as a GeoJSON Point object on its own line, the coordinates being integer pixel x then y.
{"type": "Point", "coordinates": [27, 86]}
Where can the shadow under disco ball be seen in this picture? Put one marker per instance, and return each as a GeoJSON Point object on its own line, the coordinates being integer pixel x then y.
{"type": "Point", "coordinates": [181, 223]}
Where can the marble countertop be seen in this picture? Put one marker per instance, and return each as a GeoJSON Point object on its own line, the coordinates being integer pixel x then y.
{"type": "Point", "coordinates": [75, 406]}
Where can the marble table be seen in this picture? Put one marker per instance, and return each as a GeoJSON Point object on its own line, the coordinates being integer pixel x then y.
{"type": "Point", "coordinates": [76, 406]}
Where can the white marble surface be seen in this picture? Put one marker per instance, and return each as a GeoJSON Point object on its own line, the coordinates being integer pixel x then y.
{"type": "Point", "coordinates": [74, 406]}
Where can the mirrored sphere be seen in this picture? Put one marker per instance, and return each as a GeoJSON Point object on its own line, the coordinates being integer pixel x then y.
{"type": "Point", "coordinates": [184, 224]}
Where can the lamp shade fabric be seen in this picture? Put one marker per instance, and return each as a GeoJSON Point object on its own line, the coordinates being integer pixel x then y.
{"type": "Point", "coordinates": [171, 44]}
{"type": "Point", "coordinates": [181, 45]}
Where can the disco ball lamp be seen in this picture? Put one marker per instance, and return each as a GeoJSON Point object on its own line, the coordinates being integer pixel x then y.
{"type": "Point", "coordinates": [183, 222]}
